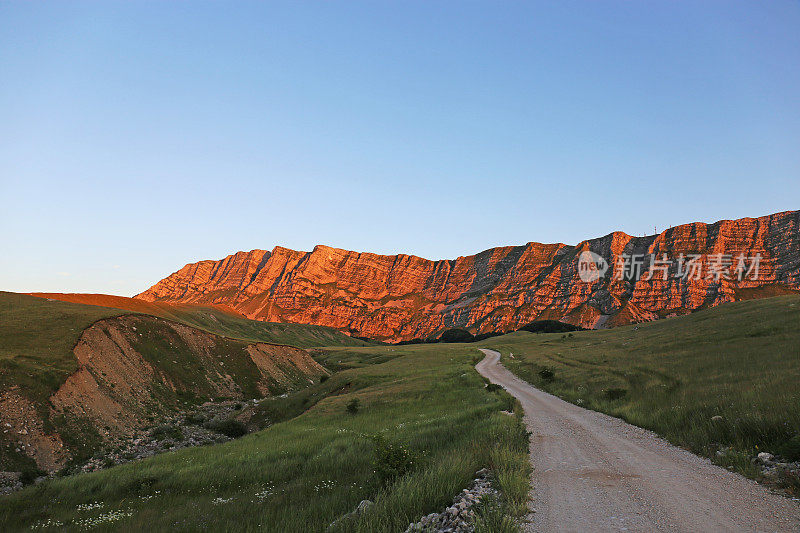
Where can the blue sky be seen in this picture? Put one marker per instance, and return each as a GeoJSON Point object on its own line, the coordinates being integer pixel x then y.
{"type": "Point", "coordinates": [138, 136]}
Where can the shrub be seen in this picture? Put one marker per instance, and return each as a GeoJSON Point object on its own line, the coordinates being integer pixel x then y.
{"type": "Point", "coordinates": [547, 374]}
{"type": "Point", "coordinates": [230, 427]}
{"type": "Point", "coordinates": [456, 335]}
{"type": "Point", "coordinates": [29, 474]}
{"type": "Point", "coordinates": [166, 431]}
{"type": "Point", "coordinates": [509, 403]}
{"type": "Point", "coordinates": [493, 387]}
{"type": "Point", "coordinates": [616, 394]}
{"type": "Point", "coordinates": [195, 419]}
{"type": "Point", "coordinates": [323, 379]}
{"type": "Point", "coordinates": [790, 449]}
{"type": "Point", "coordinates": [392, 460]}
{"type": "Point", "coordinates": [353, 406]}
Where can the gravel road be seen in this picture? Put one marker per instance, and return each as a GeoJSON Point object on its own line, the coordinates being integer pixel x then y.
{"type": "Point", "coordinates": [592, 472]}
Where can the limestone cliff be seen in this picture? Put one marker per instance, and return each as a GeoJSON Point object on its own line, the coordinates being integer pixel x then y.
{"type": "Point", "coordinates": [401, 297]}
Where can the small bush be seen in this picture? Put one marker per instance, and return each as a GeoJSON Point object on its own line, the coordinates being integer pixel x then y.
{"type": "Point", "coordinates": [456, 335]}
{"type": "Point", "coordinates": [195, 419]}
{"type": "Point", "coordinates": [547, 374]}
{"type": "Point", "coordinates": [230, 428]}
{"type": "Point", "coordinates": [29, 475]}
{"type": "Point", "coordinates": [323, 379]}
{"type": "Point", "coordinates": [493, 387]}
{"type": "Point", "coordinates": [509, 403]}
{"type": "Point", "coordinates": [615, 394]}
{"type": "Point", "coordinates": [392, 460]}
{"type": "Point", "coordinates": [353, 406]}
{"type": "Point", "coordinates": [790, 450]}
{"type": "Point", "coordinates": [166, 431]}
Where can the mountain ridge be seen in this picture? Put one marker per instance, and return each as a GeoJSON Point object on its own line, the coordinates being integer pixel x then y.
{"type": "Point", "coordinates": [401, 297]}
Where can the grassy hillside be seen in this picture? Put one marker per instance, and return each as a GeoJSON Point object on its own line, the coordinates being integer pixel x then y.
{"type": "Point", "coordinates": [721, 378]}
{"type": "Point", "coordinates": [302, 474]}
{"type": "Point", "coordinates": [220, 320]}
{"type": "Point", "coordinates": [37, 337]}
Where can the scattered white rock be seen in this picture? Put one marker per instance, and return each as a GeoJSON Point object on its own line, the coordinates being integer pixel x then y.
{"type": "Point", "coordinates": [458, 518]}
{"type": "Point", "coordinates": [362, 507]}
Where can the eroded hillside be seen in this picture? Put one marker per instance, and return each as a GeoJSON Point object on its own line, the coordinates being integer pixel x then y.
{"type": "Point", "coordinates": [124, 373]}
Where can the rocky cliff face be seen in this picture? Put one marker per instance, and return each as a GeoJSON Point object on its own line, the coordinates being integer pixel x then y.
{"type": "Point", "coordinates": [401, 297]}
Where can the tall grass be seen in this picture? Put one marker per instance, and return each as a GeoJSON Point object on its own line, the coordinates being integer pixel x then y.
{"type": "Point", "coordinates": [304, 473]}
{"type": "Point", "coordinates": [720, 379]}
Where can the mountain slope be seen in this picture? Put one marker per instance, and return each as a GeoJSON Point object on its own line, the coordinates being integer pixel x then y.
{"type": "Point", "coordinates": [401, 297]}
{"type": "Point", "coordinates": [73, 377]}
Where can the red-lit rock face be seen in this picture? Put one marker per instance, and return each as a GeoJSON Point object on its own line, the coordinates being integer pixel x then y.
{"type": "Point", "coordinates": [401, 297]}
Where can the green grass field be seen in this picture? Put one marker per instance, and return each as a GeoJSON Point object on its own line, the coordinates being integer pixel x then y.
{"type": "Point", "coordinates": [301, 474]}
{"type": "Point", "coordinates": [739, 361]}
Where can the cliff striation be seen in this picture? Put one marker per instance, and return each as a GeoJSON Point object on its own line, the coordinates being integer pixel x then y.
{"type": "Point", "coordinates": [402, 297]}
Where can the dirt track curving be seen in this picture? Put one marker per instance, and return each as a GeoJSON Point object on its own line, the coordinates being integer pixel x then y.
{"type": "Point", "coordinates": [593, 472]}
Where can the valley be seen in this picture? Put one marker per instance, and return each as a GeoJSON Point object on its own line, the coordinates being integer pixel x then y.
{"type": "Point", "coordinates": [399, 267]}
{"type": "Point", "coordinates": [319, 458]}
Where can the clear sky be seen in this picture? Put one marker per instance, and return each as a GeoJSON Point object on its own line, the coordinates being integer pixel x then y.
{"type": "Point", "coordinates": [136, 137]}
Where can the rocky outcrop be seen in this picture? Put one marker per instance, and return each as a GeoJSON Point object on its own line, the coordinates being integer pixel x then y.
{"type": "Point", "coordinates": [24, 428]}
{"type": "Point", "coordinates": [402, 297]}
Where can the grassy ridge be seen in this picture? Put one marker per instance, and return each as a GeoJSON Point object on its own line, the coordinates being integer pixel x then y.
{"type": "Point", "coordinates": [37, 336]}
{"type": "Point", "coordinates": [219, 320]}
{"type": "Point", "coordinates": [725, 377]}
{"type": "Point", "coordinates": [36, 341]}
{"type": "Point", "coordinates": [302, 474]}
